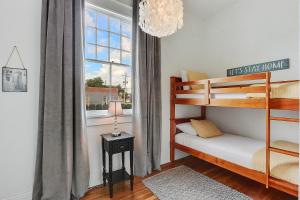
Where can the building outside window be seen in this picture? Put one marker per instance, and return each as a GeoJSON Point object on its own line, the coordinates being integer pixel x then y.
{"type": "Point", "coordinates": [108, 60]}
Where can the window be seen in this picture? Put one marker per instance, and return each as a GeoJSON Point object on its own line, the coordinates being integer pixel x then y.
{"type": "Point", "coordinates": [107, 60]}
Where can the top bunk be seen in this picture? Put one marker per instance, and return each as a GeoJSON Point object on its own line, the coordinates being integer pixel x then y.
{"type": "Point", "coordinates": [244, 91]}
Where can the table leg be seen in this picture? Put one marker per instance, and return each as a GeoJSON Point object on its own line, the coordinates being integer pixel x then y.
{"type": "Point", "coordinates": [104, 163]}
{"type": "Point", "coordinates": [110, 177]}
{"type": "Point", "coordinates": [123, 162]}
{"type": "Point", "coordinates": [131, 169]}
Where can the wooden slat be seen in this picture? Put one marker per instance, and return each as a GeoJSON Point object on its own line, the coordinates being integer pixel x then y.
{"type": "Point", "coordinates": [239, 78]}
{"type": "Point", "coordinates": [190, 91]}
{"type": "Point", "coordinates": [176, 78]}
{"type": "Point", "coordinates": [289, 81]}
{"type": "Point", "coordinates": [283, 151]}
{"type": "Point", "coordinates": [187, 119]}
{"type": "Point", "coordinates": [284, 186]}
{"type": "Point", "coordinates": [247, 85]}
{"type": "Point", "coordinates": [284, 104]}
{"type": "Point", "coordinates": [256, 89]}
{"type": "Point", "coordinates": [238, 103]}
{"type": "Point", "coordinates": [191, 101]}
{"type": "Point", "coordinates": [199, 82]}
{"type": "Point", "coordinates": [285, 119]}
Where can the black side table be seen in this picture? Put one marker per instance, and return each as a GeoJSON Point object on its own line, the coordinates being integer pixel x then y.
{"type": "Point", "coordinates": [113, 145]}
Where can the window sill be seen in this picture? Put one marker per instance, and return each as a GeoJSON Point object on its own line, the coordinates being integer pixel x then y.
{"type": "Point", "coordinates": [92, 114]}
{"type": "Point", "coordinates": [102, 119]}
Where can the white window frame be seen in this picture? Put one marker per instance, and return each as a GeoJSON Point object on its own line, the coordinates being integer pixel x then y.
{"type": "Point", "coordinates": [122, 18]}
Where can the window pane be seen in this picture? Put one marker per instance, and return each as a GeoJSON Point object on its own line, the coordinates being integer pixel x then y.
{"type": "Point", "coordinates": [102, 37]}
{"type": "Point", "coordinates": [115, 41]}
{"type": "Point", "coordinates": [90, 51]}
{"type": "Point", "coordinates": [126, 58]}
{"type": "Point", "coordinates": [114, 25]}
{"type": "Point", "coordinates": [97, 86]}
{"type": "Point", "coordinates": [126, 29]}
{"type": "Point", "coordinates": [90, 35]}
{"type": "Point", "coordinates": [102, 21]}
{"type": "Point", "coordinates": [126, 44]}
{"type": "Point", "coordinates": [90, 18]}
{"type": "Point", "coordinates": [102, 53]}
{"type": "Point", "coordinates": [121, 79]}
{"type": "Point", "coordinates": [107, 39]}
{"type": "Point", "coordinates": [114, 55]}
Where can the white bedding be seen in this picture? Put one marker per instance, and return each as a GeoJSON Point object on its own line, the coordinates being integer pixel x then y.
{"type": "Point", "coordinates": [229, 147]}
{"type": "Point", "coordinates": [214, 96]}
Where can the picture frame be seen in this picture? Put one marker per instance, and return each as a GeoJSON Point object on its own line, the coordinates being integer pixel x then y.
{"type": "Point", "coordinates": [14, 79]}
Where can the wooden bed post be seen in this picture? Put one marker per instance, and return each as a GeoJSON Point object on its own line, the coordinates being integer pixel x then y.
{"type": "Point", "coordinates": [206, 96]}
{"type": "Point", "coordinates": [172, 118]}
{"type": "Point", "coordinates": [268, 90]}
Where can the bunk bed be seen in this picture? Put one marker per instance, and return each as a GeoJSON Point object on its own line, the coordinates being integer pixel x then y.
{"type": "Point", "coordinates": [230, 92]}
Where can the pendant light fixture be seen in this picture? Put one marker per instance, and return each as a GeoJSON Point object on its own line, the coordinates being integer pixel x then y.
{"type": "Point", "coordinates": [160, 18]}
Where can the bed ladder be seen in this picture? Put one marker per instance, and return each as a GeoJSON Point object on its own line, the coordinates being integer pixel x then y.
{"type": "Point", "coordinates": [278, 150]}
{"type": "Point", "coordinates": [270, 118]}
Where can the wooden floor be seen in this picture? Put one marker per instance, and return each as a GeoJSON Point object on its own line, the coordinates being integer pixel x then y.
{"type": "Point", "coordinates": [251, 188]}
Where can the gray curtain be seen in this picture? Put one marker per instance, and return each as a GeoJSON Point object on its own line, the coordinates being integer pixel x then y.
{"type": "Point", "coordinates": [62, 166]}
{"type": "Point", "coordinates": [146, 99]}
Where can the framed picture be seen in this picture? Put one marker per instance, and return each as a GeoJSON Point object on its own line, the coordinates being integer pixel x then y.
{"type": "Point", "coordinates": [14, 79]}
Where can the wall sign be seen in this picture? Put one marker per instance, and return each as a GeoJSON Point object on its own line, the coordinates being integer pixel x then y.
{"type": "Point", "coordinates": [258, 68]}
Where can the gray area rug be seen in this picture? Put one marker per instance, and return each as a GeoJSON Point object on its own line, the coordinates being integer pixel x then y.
{"type": "Point", "coordinates": [183, 183]}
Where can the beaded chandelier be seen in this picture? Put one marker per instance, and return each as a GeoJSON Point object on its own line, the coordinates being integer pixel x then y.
{"type": "Point", "coordinates": [160, 17]}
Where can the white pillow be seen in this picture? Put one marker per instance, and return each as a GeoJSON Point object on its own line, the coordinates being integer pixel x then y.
{"type": "Point", "coordinates": [187, 128]}
{"type": "Point", "coordinates": [184, 78]}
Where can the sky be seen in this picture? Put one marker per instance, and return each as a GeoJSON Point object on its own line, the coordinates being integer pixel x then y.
{"type": "Point", "coordinates": [97, 23]}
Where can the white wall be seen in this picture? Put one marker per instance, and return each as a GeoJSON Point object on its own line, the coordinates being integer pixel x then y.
{"type": "Point", "coordinates": [246, 32]}
{"type": "Point", "coordinates": [250, 32]}
{"type": "Point", "coordinates": [20, 25]}
{"type": "Point", "coordinates": [116, 6]}
{"type": "Point", "coordinates": [178, 52]}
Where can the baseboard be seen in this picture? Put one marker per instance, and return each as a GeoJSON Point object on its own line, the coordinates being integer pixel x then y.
{"type": "Point", "coordinates": [22, 196]}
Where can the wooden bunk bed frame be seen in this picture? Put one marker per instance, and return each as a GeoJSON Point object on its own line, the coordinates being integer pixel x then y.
{"type": "Point", "coordinates": [267, 103]}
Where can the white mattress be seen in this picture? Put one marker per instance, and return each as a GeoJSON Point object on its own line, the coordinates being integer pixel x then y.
{"type": "Point", "coordinates": [229, 147]}
{"type": "Point", "coordinates": [214, 96]}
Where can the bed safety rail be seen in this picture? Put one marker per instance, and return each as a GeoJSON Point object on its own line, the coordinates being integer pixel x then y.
{"type": "Point", "coordinates": [235, 87]}
{"type": "Point", "coordinates": [178, 89]}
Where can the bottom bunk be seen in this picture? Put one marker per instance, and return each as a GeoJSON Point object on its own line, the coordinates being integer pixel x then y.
{"type": "Point", "coordinates": [244, 156]}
